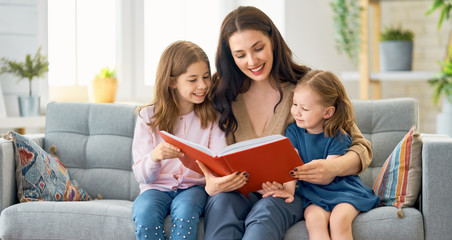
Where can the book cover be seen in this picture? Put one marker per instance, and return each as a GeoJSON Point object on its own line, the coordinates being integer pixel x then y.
{"type": "Point", "coordinates": [268, 158]}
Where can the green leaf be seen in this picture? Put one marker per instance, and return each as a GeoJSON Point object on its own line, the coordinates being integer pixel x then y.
{"type": "Point", "coordinates": [396, 34]}
{"type": "Point", "coordinates": [346, 21]}
{"type": "Point", "coordinates": [435, 4]}
{"type": "Point", "coordinates": [106, 72]}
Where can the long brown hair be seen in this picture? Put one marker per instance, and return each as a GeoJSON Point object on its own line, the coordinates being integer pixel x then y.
{"type": "Point", "coordinates": [229, 80]}
{"type": "Point", "coordinates": [332, 93]}
{"type": "Point", "coordinates": [175, 60]}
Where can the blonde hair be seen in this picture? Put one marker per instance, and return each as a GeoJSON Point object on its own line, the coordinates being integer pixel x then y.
{"type": "Point", "coordinates": [175, 60]}
{"type": "Point", "coordinates": [332, 93]}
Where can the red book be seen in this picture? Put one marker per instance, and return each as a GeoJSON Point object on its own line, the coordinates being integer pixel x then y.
{"type": "Point", "coordinates": [265, 159]}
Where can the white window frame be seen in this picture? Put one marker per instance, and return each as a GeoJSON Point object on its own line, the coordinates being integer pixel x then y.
{"type": "Point", "coordinates": [130, 43]}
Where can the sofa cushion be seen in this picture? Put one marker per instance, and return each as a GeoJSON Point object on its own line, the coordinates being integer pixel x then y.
{"type": "Point", "coordinates": [41, 176]}
{"type": "Point", "coordinates": [379, 223]}
{"type": "Point", "coordinates": [399, 181]}
{"type": "Point", "coordinates": [94, 141]}
{"type": "Point", "coordinates": [98, 219]}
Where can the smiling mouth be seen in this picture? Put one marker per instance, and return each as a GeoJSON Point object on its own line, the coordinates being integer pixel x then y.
{"type": "Point", "coordinates": [254, 70]}
{"type": "Point", "coordinates": [199, 94]}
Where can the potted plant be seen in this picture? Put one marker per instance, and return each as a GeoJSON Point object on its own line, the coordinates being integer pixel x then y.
{"type": "Point", "coordinates": [347, 25]}
{"type": "Point", "coordinates": [32, 68]}
{"type": "Point", "coordinates": [442, 81]}
{"type": "Point", "coordinates": [396, 49]}
{"type": "Point", "coordinates": [442, 86]}
{"type": "Point", "coordinates": [104, 86]}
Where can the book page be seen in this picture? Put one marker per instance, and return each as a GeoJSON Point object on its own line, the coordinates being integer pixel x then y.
{"type": "Point", "coordinates": [192, 144]}
{"type": "Point", "coordinates": [236, 147]}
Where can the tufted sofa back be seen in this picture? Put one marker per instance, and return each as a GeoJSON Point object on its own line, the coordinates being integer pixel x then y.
{"type": "Point", "coordinates": [94, 141]}
{"type": "Point", "coordinates": [384, 123]}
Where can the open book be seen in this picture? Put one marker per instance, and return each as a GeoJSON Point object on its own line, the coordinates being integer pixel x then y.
{"type": "Point", "coordinates": [265, 159]}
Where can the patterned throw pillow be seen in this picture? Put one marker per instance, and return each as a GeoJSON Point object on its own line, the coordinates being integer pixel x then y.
{"type": "Point", "coordinates": [41, 176]}
{"type": "Point", "coordinates": [399, 181]}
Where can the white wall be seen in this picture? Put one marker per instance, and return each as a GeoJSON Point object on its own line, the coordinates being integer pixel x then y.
{"type": "Point", "coordinates": [309, 33]}
{"type": "Point", "coordinates": [22, 31]}
{"type": "Point", "coordinates": [306, 25]}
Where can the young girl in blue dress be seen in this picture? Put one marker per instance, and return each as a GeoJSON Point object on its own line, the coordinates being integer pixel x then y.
{"type": "Point", "coordinates": [323, 118]}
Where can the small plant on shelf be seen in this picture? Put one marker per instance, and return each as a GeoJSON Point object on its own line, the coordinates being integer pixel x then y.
{"type": "Point", "coordinates": [106, 72]}
{"type": "Point", "coordinates": [396, 49]}
{"type": "Point", "coordinates": [104, 86]}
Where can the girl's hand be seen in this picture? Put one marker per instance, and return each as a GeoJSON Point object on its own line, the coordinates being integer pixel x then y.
{"type": "Point", "coordinates": [227, 183]}
{"type": "Point", "coordinates": [164, 151]}
{"type": "Point", "coordinates": [286, 190]}
{"type": "Point", "coordinates": [281, 194]}
{"type": "Point", "coordinates": [318, 171]}
{"type": "Point", "coordinates": [271, 186]}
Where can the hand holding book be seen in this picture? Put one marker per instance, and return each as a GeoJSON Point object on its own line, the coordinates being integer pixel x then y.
{"type": "Point", "coordinates": [228, 183]}
{"type": "Point", "coordinates": [165, 150]}
{"type": "Point", "coordinates": [264, 159]}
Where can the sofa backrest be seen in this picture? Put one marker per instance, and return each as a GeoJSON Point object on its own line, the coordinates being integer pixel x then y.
{"type": "Point", "coordinates": [384, 122]}
{"type": "Point", "coordinates": [94, 141]}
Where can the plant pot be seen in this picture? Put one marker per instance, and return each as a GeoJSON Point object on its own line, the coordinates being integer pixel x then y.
{"type": "Point", "coordinates": [396, 55]}
{"type": "Point", "coordinates": [444, 119]}
{"type": "Point", "coordinates": [104, 90]}
{"type": "Point", "coordinates": [29, 106]}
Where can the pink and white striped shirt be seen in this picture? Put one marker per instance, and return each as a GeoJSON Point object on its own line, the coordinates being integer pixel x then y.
{"type": "Point", "coordinates": [170, 174]}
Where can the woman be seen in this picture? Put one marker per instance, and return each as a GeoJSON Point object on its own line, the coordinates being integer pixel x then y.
{"type": "Point", "coordinates": [253, 92]}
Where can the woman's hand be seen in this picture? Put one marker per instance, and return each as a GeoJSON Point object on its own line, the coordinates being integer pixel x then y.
{"type": "Point", "coordinates": [318, 171]}
{"type": "Point", "coordinates": [164, 151]}
{"type": "Point", "coordinates": [227, 183]}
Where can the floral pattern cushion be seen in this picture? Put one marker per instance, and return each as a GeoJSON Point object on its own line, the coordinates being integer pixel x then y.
{"type": "Point", "coordinates": [41, 175]}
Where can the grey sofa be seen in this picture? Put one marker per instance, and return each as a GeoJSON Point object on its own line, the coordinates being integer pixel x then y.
{"type": "Point", "coordinates": [94, 141]}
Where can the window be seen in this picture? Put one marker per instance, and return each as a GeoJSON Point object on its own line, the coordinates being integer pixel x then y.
{"type": "Point", "coordinates": [87, 35]}
{"type": "Point", "coordinates": [82, 40]}
{"type": "Point", "coordinates": [168, 21]}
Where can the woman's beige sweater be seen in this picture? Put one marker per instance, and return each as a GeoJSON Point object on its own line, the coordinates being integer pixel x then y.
{"type": "Point", "coordinates": [279, 121]}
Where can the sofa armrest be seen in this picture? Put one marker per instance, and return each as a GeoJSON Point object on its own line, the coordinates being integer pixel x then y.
{"type": "Point", "coordinates": [436, 195]}
{"type": "Point", "coordinates": [8, 192]}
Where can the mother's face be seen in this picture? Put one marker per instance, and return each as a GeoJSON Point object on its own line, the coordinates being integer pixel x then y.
{"type": "Point", "coordinates": [252, 51]}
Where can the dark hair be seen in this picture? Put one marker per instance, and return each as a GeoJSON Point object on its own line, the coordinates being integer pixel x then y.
{"type": "Point", "coordinates": [332, 92]}
{"type": "Point", "coordinates": [229, 80]}
{"type": "Point", "coordinates": [175, 60]}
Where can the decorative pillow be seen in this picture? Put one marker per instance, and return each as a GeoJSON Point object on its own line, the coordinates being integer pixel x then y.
{"type": "Point", "coordinates": [41, 176]}
{"type": "Point", "coordinates": [399, 181]}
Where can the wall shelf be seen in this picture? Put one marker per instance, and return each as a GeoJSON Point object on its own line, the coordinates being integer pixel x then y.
{"type": "Point", "coordinates": [390, 76]}
{"type": "Point", "coordinates": [368, 75]}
